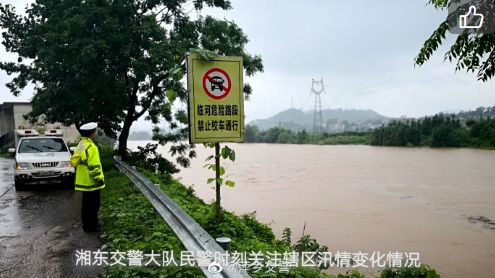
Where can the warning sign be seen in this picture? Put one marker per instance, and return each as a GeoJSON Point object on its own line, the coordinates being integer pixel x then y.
{"type": "Point", "coordinates": [216, 99]}
{"type": "Point", "coordinates": [217, 83]}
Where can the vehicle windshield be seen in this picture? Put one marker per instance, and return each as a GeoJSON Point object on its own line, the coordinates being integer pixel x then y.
{"type": "Point", "coordinates": [42, 145]}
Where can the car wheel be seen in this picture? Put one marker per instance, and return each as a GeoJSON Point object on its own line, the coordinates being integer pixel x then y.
{"type": "Point", "coordinates": [19, 186]}
{"type": "Point", "coordinates": [69, 183]}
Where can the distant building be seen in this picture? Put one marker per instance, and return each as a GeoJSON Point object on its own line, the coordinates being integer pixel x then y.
{"type": "Point", "coordinates": [12, 117]}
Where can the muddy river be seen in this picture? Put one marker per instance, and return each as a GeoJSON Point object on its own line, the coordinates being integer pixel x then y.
{"type": "Point", "coordinates": [439, 203]}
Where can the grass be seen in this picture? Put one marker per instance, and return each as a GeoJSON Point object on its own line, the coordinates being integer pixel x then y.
{"type": "Point", "coordinates": [130, 223]}
{"type": "Point", "coordinates": [347, 139]}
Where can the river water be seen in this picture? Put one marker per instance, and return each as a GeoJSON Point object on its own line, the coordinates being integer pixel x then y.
{"type": "Point", "coordinates": [437, 202]}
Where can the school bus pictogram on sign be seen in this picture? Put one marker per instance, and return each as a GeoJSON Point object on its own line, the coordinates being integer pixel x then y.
{"type": "Point", "coordinates": [216, 99]}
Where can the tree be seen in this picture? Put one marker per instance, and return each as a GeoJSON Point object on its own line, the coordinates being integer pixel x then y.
{"type": "Point", "coordinates": [285, 137]}
{"type": "Point", "coordinates": [250, 133]}
{"type": "Point", "coordinates": [473, 52]}
{"type": "Point", "coordinates": [443, 136]}
{"type": "Point", "coordinates": [302, 137]}
{"type": "Point", "coordinates": [114, 61]}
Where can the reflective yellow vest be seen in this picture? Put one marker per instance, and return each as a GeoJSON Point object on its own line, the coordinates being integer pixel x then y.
{"type": "Point", "coordinates": [86, 159]}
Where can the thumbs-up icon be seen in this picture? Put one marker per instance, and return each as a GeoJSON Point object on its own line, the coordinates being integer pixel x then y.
{"type": "Point", "coordinates": [471, 20]}
{"type": "Point", "coordinates": [471, 17]}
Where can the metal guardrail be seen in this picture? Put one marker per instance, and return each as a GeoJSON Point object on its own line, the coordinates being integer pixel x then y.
{"type": "Point", "coordinates": [190, 233]}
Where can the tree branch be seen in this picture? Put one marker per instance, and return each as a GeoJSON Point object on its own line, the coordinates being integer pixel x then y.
{"type": "Point", "coordinates": [147, 103]}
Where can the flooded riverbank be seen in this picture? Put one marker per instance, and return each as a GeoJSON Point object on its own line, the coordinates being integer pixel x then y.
{"type": "Point", "coordinates": [362, 198]}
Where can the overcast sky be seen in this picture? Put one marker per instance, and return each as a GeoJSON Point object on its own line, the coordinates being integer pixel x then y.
{"type": "Point", "coordinates": [364, 50]}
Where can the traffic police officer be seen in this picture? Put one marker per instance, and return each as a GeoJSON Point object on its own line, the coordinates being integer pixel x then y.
{"type": "Point", "coordinates": [89, 176]}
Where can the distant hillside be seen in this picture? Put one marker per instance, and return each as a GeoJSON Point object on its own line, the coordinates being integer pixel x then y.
{"type": "Point", "coordinates": [139, 135]}
{"type": "Point", "coordinates": [296, 119]}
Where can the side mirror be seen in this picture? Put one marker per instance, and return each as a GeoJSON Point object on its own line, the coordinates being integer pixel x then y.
{"type": "Point", "coordinates": [11, 150]}
{"type": "Point", "coordinates": [72, 149]}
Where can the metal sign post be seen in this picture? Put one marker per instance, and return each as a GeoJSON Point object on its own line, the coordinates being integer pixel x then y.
{"type": "Point", "coordinates": [217, 184]}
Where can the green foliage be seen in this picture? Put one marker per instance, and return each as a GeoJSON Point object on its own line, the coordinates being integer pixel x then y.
{"type": "Point", "coordinates": [443, 136]}
{"type": "Point", "coordinates": [287, 236]}
{"type": "Point", "coordinates": [204, 54]}
{"type": "Point", "coordinates": [475, 130]}
{"type": "Point", "coordinates": [437, 131]}
{"type": "Point", "coordinates": [251, 133]}
{"type": "Point", "coordinates": [106, 158]}
{"type": "Point", "coordinates": [114, 61]}
{"type": "Point", "coordinates": [178, 147]}
{"type": "Point", "coordinates": [472, 52]}
{"type": "Point", "coordinates": [483, 133]}
{"type": "Point", "coordinates": [432, 44]}
{"type": "Point", "coordinates": [424, 271]}
{"type": "Point", "coordinates": [147, 158]}
{"type": "Point", "coordinates": [351, 274]}
{"type": "Point", "coordinates": [308, 244]}
{"type": "Point", "coordinates": [246, 232]}
{"type": "Point", "coordinates": [263, 231]}
{"type": "Point", "coordinates": [348, 138]}
{"type": "Point", "coordinates": [130, 223]}
{"type": "Point", "coordinates": [225, 153]}
{"type": "Point", "coordinates": [283, 136]}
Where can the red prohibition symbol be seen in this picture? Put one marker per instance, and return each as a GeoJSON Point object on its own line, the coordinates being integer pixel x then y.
{"type": "Point", "coordinates": [217, 83]}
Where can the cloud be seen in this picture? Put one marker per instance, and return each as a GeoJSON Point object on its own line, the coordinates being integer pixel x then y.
{"type": "Point", "coordinates": [363, 50]}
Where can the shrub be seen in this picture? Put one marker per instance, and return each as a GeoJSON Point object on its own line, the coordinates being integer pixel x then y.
{"type": "Point", "coordinates": [424, 271]}
{"type": "Point", "coordinates": [147, 158]}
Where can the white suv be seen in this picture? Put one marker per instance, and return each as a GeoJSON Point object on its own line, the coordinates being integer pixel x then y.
{"type": "Point", "coordinates": [42, 160]}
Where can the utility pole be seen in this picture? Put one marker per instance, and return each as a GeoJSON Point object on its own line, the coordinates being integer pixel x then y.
{"type": "Point", "coordinates": [318, 116]}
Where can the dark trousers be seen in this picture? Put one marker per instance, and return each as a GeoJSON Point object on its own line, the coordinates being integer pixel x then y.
{"type": "Point", "coordinates": [89, 209]}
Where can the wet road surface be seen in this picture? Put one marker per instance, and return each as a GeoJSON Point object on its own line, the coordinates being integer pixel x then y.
{"type": "Point", "coordinates": [40, 230]}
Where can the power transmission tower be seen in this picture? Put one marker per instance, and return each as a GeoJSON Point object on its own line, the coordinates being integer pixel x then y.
{"type": "Point", "coordinates": [318, 117]}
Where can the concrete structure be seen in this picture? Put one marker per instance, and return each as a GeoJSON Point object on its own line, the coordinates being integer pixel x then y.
{"type": "Point", "coordinates": [13, 116]}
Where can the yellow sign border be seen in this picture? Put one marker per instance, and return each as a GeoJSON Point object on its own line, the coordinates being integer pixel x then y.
{"type": "Point", "coordinates": [193, 88]}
